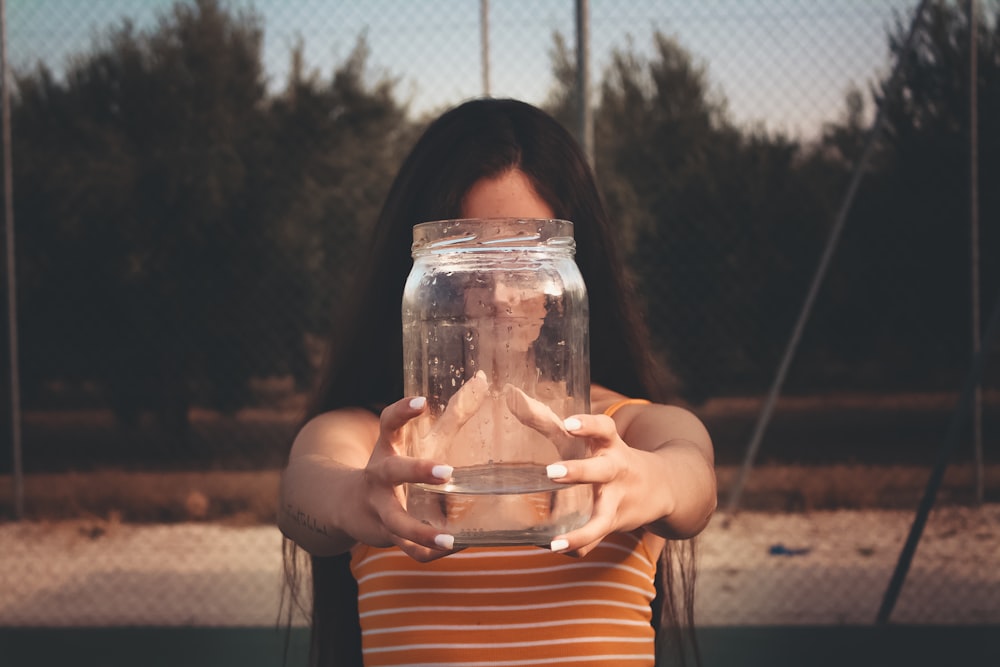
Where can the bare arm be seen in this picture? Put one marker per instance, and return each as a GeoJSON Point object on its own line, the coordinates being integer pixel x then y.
{"type": "Point", "coordinates": [323, 471]}
{"type": "Point", "coordinates": [342, 485]}
{"type": "Point", "coordinates": [675, 468]}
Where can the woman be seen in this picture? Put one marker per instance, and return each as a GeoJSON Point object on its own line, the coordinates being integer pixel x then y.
{"type": "Point", "coordinates": [652, 467]}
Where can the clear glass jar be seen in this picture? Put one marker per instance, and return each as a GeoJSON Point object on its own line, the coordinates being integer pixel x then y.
{"type": "Point", "coordinates": [495, 335]}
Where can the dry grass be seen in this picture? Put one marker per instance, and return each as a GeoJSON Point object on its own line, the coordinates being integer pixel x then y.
{"type": "Point", "coordinates": [852, 486]}
{"type": "Point", "coordinates": [840, 401]}
{"type": "Point", "coordinates": [237, 497]}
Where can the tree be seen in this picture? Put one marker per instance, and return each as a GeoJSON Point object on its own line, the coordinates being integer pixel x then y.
{"type": "Point", "coordinates": [181, 228]}
{"type": "Point", "coordinates": [717, 217]}
{"type": "Point", "coordinates": [337, 147]}
{"type": "Point", "coordinates": [904, 260]}
{"type": "Point", "coordinates": [563, 100]}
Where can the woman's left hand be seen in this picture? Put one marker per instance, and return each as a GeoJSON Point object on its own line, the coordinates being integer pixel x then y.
{"type": "Point", "coordinates": [664, 483]}
{"type": "Point", "coordinates": [611, 469]}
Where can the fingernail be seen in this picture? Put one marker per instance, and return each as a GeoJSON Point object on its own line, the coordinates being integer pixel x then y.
{"type": "Point", "coordinates": [572, 424]}
{"type": "Point", "coordinates": [442, 471]}
{"type": "Point", "coordinates": [444, 541]}
{"type": "Point", "coordinates": [556, 470]}
{"type": "Point", "coordinates": [559, 545]}
{"type": "Point", "coordinates": [418, 403]}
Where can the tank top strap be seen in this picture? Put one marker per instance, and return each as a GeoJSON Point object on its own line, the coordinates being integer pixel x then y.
{"type": "Point", "coordinates": [614, 407]}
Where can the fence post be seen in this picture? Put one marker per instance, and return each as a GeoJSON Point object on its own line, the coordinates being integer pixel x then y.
{"type": "Point", "coordinates": [484, 38]}
{"type": "Point", "coordinates": [586, 116]}
{"type": "Point", "coordinates": [977, 403]}
{"type": "Point", "coordinates": [17, 472]}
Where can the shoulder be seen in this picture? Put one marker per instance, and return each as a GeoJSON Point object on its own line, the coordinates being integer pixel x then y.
{"type": "Point", "coordinates": [602, 398]}
{"type": "Point", "coordinates": [342, 417]}
{"type": "Point", "coordinates": [352, 427]}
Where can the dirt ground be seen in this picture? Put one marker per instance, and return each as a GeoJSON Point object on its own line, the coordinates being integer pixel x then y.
{"type": "Point", "coordinates": [135, 528]}
{"type": "Point", "coordinates": [755, 568]}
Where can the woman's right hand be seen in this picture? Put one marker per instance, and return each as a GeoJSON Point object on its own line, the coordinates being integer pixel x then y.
{"type": "Point", "coordinates": [383, 521]}
{"type": "Point", "coordinates": [339, 489]}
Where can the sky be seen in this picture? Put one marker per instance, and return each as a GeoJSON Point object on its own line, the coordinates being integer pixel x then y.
{"type": "Point", "coordinates": [781, 64]}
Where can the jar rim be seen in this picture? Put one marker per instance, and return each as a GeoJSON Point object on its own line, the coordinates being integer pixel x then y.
{"type": "Point", "coordinates": [492, 233]}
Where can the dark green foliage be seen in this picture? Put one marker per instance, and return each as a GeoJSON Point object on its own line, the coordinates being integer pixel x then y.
{"type": "Point", "coordinates": [897, 309]}
{"type": "Point", "coordinates": [182, 230]}
{"type": "Point", "coordinates": [176, 223]}
{"type": "Point", "coordinates": [725, 225]}
{"type": "Point", "coordinates": [721, 224]}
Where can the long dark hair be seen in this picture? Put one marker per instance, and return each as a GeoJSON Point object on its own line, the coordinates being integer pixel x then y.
{"type": "Point", "coordinates": [478, 139]}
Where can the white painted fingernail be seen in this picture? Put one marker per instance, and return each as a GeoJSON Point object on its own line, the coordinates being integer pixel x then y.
{"type": "Point", "coordinates": [418, 403]}
{"type": "Point", "coordinates": [556, 470]}
{"type": "Point", "coordinates": [559, 545]}
{"type": "Point", "coordinates": [572, 424]}
{"type": "Point", "coordinates": [442, 471]}
{"type": "Point", "coordinates": [444, 541]}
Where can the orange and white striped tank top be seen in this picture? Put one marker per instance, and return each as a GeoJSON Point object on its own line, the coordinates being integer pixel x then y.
{"type": "Point", "coordinates": [509, 606]}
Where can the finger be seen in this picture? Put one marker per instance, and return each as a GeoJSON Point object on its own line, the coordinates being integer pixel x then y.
{"type": "Point", "coordinates": [582, 540]}
{"type": "Point", "coordinates": [596, 469]}
{"type": "Point", "coordinates": [602, 522]}
{"type": "Point", "coordinates": [414, 535]}
{"type": "Point", "coordinates": [422, 554]}
{"type": "Point", "coordinates": [395, 470]}
{"type": "Point", "coordinates": [469, 397]}
{"type": "Point", "coordinates": [465, 403]}
{"type": "Point", "coordinates": [395, 415]}
{"type": "Point", "coordinates": [533, 413]}
{"type": "Point", "coordinates": [601, 467]}
{"type": "Point", "coordinates": [425, 554]}
{"type": "Point", "coordinates": [594, 427]}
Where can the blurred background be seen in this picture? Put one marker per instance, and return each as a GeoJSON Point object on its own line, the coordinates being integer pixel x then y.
{"type": "Point", "coordinates": [190, 185]}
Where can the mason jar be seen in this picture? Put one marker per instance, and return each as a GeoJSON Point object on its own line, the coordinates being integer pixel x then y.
{"type": "Point", "coordinates": [496, 337]}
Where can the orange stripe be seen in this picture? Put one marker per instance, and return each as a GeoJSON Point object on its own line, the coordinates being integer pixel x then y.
{"type": "Point", "coordinates": [614, 407]}
{"type": "Point", "coordinates": [508, 606]}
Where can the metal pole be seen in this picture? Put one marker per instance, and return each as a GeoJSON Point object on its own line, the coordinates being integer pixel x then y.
{"type": "Point", "coordinates": [973, 379]}
{"type": "Point", "coordinates": [8, 198]}
{"type": "Point", "coordinates": [586, 116]}
{"type": "Point", "coordinates": [779, 380]}
{"type": "Point", "coordinates": [484, 38]}
{"type": "Point", "coordinates": [977, 404]}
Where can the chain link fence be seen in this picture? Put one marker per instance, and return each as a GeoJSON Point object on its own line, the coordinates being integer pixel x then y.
{"type": "Point", "coordinates": [191, 182]}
